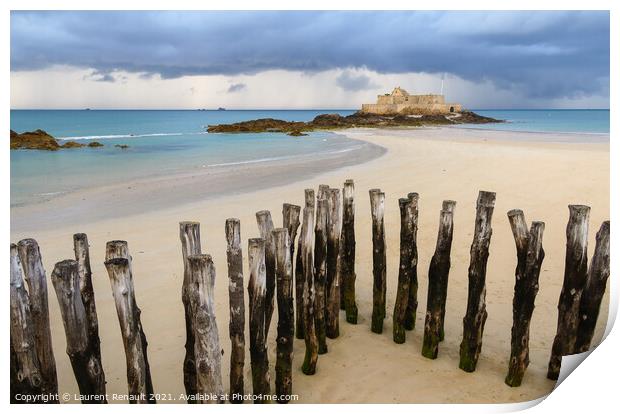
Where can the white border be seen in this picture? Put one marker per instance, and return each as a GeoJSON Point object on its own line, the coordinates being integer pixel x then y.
{"type": "Point", "coordinates": [592, 388]}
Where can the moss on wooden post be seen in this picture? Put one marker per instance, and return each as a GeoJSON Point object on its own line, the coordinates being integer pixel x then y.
{"type": "Point", "coordinates": [347, 260]}
{"type": "Point", "coordinates": [320, 256]}
{"type": "Point", "coordinates": [377, 207]}
{"type": "Point", "coordinates": [308, 294]}
{"type": "Point", "coordinates": [412, 301]}
{"type": "Point", "coordinates": [286, 315]}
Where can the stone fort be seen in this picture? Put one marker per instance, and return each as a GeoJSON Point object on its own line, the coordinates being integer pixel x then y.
{"type": "Point", "coordinates": [400, 102]}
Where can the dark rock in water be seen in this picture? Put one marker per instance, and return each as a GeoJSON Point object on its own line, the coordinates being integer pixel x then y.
{"type": "Point", "coordinates": [95, 144]}
{"type": "Point", "coordinates": [72, 144]}
{"type": "Point", "coordinates": [356, 120]}
{"type": "Point", "coordinates": [297, 133]}
{"type": "Point", "coordinates": [38, 140]}
{"type": "Point", "coordinates": [122, 146]}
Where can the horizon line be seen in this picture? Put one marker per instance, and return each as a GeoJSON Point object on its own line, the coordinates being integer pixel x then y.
{"type": "Point", "coordinates": [286, 109]}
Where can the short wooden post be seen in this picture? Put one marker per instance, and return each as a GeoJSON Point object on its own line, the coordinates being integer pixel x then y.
{"type": "Point", "coordinates": [438, 272]}
{"type": "Point", "coordinates": [412, 301]}
{"type": "Point", "coordinates": [526, 289]}
{"type": "Point", "coordinates": [404, 269]}
{"type": "Point", "coordinates": [299, 271]}
{"type": "Point", "coordinates": [265, 226]}
{"type": "Point", "coordinates": [86, 365]}
{"type": "Point", "coordinates": [332, 285]}
{"type": "Point", "coordinates": [307, 300]}
{"type": "Point", "coordinates": [476, 314]}
{"type": "Point", "coordinates": [257, 288]}
{"type": "Point", "coordinates": [320, 257]}
{"type": "Point", "coordinates": [34, 274]}
{"type": "Point", "coordinates": [189, 233]}
{"type": "Point", "coordinates": [236, 326]}
{"type": "Point", "coordinates": [26, 376]}
{"type": "Point", "coordinates": [347, 261]}
{"type": "Point", "coordinates": [377, 207]}
{"type": "Point", "coordinates": [118, 265]}
{"type": "Point", "coordinates": [290, 221]}
{"type": "Point", "coordinates": [286, 315]}
{"type": "Point", "coordinates": [207, 350]}
{"type": "Point", "coordinates": [82, 256]}
{"type": "Point", "coordinates": [594, 290]}
{"type": "Point", "coordinates": [575, 278]}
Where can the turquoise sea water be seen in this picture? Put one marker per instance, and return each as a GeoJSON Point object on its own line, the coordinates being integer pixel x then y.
{"type": "Point", "coordinates": [166, 142]}
{"type": "Point", "coordinates": [593, 121]}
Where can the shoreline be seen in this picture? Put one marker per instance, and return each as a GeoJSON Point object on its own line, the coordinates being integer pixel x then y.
{"type": "Point", "coordinates": [161, 192]}
{"type": "Point", "coordinates": [527, 175]}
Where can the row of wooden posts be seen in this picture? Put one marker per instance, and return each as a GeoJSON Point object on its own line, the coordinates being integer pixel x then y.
{"type": "Point", "coordinates": [309, 298]}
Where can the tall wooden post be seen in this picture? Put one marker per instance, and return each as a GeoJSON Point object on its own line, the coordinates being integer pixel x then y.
{"type": "Point", "coordinates": [290, 221]}
{"type": "Point", "coordinates": [377, 207]}
{"type": "Point", "coordinates": [86, 365]}
{"type": "Point", "coordinates": [265, 226]}
{"type": "Point", "coordinates": [236, 326]}
{"type": "Point", "coordinates": [34, 274]}
{"type": "Point", "coordinates": [347, 262]}
{"type": "Point", "coordinates": [118, 265]}
{"type": "Point", "coordinates": [447, 205]}
{"type": "Point", "coordinates": [438, 272]}
{"type": "Point", "coordinates": [189, 233]}
{"type": "Point", "coordinates": [286, 315]}
{"type": "Point", "coordinates": [412, 301]}
{"type": "Point", "coordinates": [26, 376]}
{"type": "Point", "coordinates": [594, 290]}
{"type": "Point", "coordinates": [404, 269]}
{"type": "Point", "coordinates": [530, 255]}
{"type": "Point", "coordinates": [476, 314]}
{"type": "Point", "coordinates": [320, 256]}
{"type": "Point", "coordinates": [575, 277]}
{"type": "Point", "coordinates": [207, 350]}
{"type": "Point", "coordinates": [257, 288]}
{"type": "Point", "coordinates": [332, 305]}
{"type": "Point", "coordinates": [307, 300]}
{"type": "Point", "coordinates": [82, 256]}
{"type": "Point", "coordinates": [299, 271]}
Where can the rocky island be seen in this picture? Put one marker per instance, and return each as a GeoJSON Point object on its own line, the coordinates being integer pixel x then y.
{"type": "Point", "coordinates": [397, 109]}
{"type": "Point", "coordinates": [41, 140]}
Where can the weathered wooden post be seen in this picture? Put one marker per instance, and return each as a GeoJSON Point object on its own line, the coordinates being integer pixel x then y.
{"type": "Point", "coordinates": [34, 274]}
{"type": "Point", "coordinates": [438, 272]}
{"type": "Point", "coordinates": [236, 326]}
{"type": "Point", "coordinates": [347, 260]}
{"type": "Point", "coordinates": [404, 269]}
{"type": "Point", "coordinates": [299, 271]}
{"type": "Point", "coordinates": [448, 205]}
{"type": "Point", "coordinates": [265, 226]}
{"type": "Point", "coordinates": [207, 350]}
{"type": "Point", "coordinates": [290, 221]}
{"type": "Point", "coordinates": [377, 207]}
{"type": "Point", "coordinates": [476, 314]}
{"type": "Point", "coordinates": [530, 255]}
{"type": "Point", "coordinates": [286, 315]}
{"type": "Point", "coordinates": [189, 233]}
{"type": "Point", "coordinates": [307, 262]}
{"type": "Point", "coordinates": [332, 303]}
{"type": "Point", "coordinates": [412, 301]}
{"type": "Point", "coordinates": [82, 256]}
{"type": "Point", "coordinates": [594, 290]}
{"type": "Point", "coordinates": [25, 372]}
{"type": "Point", "coordinates": [320, 256]}
{"type": "Point", "coordinates": [257, 288]}
{"type": "Point", "coordinates": [575, 277]}
{"type": "Point", "coordinates": [84, 361]}
{"type": "Point", "coordinates": [118, 265]}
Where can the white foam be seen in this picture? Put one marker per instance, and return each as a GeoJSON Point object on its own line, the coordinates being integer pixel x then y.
{"type": "Point", "coordinates": [161, 134]}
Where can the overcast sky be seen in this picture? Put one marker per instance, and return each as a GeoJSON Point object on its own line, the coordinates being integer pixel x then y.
{"type": "Point", "coordinates": [307, 59]}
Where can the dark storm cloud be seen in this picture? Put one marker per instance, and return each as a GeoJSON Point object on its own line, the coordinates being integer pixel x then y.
{"type": "Point", "coordinates": [236, 87]}
{"type": "Point", "coordinates": [351, 82]}
{"type": "Point", "coordinates": [541, 54]}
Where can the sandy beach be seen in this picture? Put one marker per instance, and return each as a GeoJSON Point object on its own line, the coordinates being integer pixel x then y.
{"type": "Point", "coordinates": [538, 173]}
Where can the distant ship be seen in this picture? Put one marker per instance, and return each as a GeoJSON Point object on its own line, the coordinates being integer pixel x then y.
{"type": "Point", "coordinates": [221, 109]}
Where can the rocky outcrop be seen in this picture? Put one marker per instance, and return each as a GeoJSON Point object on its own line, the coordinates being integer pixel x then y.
{"type": "Point", "coordinates": [72, 144]}
{"type": "Point", "coordinates": [122, 146]}
{"type": "Point", "coordinates": [356, 120]}
{"type": "Point", "coordinates": [95, 144]}
{"type": "Point", "coordinates": [39, 140]}
{"type": "Point", "coordinates": [296, 133]}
